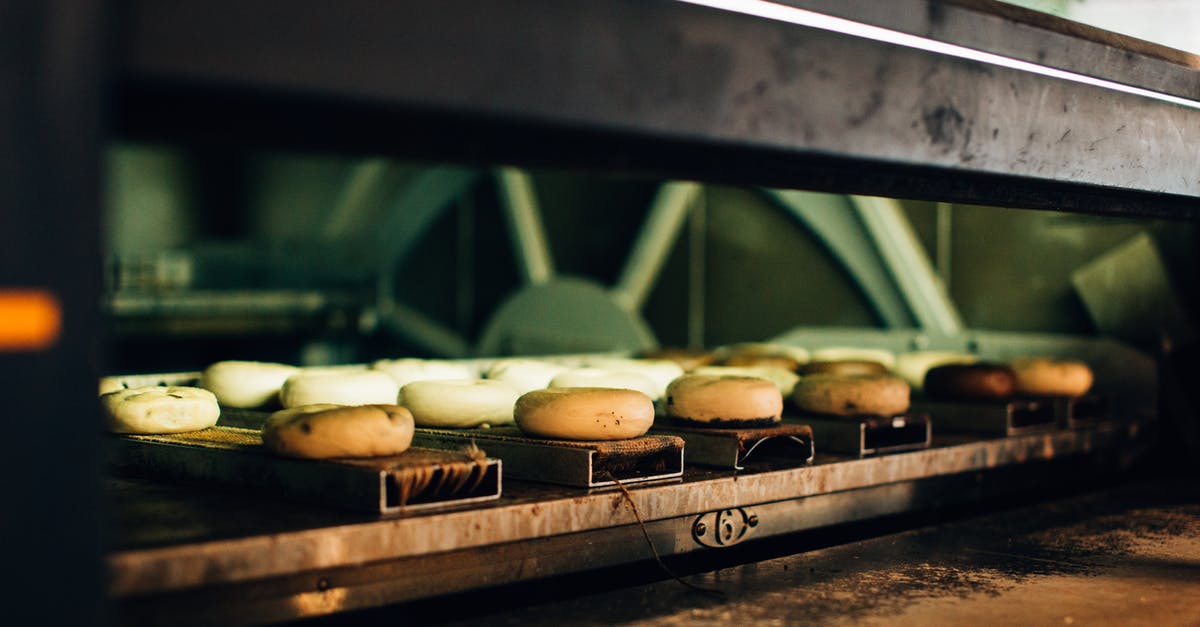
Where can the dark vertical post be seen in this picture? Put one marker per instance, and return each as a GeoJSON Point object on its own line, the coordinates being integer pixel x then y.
{"type": "Point", "coordinates": [51, 74]}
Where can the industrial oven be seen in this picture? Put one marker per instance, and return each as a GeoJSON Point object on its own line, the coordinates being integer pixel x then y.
{"type": "Point", "coordinates": [683, 106]}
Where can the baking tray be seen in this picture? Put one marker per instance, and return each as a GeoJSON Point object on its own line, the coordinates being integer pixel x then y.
{"type": "Point", "coordinates": [419, 479]}
{"type": "Point", "coordinates": [730, 448]}
{"type": "Point", "coordinates": [863, 436]}
{"type": "Point", "coordinates": [564, 462]}
{"type": "Point", "coordinates": [1016, 416]}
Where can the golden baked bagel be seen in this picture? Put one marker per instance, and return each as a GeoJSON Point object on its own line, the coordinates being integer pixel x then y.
{"type": "Point", "coordinates": [852, 395]}
{"type": "Point", "coordinates": [1045, 376]}
{"type": "Point", "coordinates": [584, 413]}
{"type": "Point", "coordinates": [724, 401]}
{"type": "Point", "coordinates": [321, 431]}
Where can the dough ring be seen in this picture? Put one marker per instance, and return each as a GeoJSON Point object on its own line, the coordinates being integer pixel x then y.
{"type": "Point", "coordinates": [872, 395]}
{"type": "Point", "coordinates": [724, 401]}
{"type": "Point", "coordinates": [339, 387]}
{"type": "Point", "coordinates": [321, 431]}
{"type": "Point", "coordinates": [585, 413]}
{"type": "Point", "coordinates": [246, 384]}
{"type": "Point", "coordinates": [159, 409]}
{"type": "Point", "coordinates": [459, 404]}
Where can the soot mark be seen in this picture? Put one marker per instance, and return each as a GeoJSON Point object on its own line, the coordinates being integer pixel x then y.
{"type": "Point", "coordinates": [943, 124]}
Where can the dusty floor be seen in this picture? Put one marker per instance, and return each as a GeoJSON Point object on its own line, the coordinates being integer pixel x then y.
{"type": "Point", "coordinates": [1129, 556]}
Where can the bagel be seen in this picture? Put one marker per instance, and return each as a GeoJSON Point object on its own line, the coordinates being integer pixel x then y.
{"type": "Point", "coordinates": [687, 359]}
{"type": "Point", "coordinates": [724, 401]}
{"type": "Point", "coordinates": [459, 404]}
{"type": "Point", "coordinates": [852, 395]}
{"type": "Point", "coordinates": [785, 380]}
{"type": "Point", "coordinates": [845, 353]}
{"type": "Point", "coordinates": [405, 371]}
{"type": "Point", "coordinates": [845, 367]}
{"type": "Point", "coordinates": [524, 375]}
{"type": "Point", "coordinates": [606, 378]}
{"type": "Point", "coordinates": [912, 366]}
{"type": "Point", "coordinates": [246, 384]}
{"type": "Point", "coordinates": [338, 387]}
{"type": "Point", "coordinates": [584, 413]}
{"type": "Point", "coordinates": [159, 409]}
{"type": "Point", "coordinates": [982, 381]}
{"type": "Point", "coordinates": [324, 430]}
{"type": "Point", "coordinates": [1046, 376]}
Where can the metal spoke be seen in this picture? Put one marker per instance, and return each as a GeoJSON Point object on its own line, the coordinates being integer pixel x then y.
{"type": "Point", "coordinates": [888, 227]}
{"type": "Point", "coordinates": [658, 234]}
{"type": "Point", "coordinates": [525, 225]}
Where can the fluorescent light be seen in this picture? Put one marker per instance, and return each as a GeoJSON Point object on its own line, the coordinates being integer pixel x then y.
{"type": "Point", "coordinates": [803, 17]}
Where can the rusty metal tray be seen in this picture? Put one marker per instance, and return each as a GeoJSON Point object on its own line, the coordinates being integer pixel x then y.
{"type": "Point", "coordinates": [579, 464]}
{"type": "Point", "coordinates": [1016, 416]}
{"type": "Point", "coordinates": [730, 448]}
{"type": "Point", "coordinates": [419, 479]}
{"type": "Point", "coordinates": [862, 436]}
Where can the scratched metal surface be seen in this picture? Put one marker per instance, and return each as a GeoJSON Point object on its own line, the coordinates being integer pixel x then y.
{"type": "Point", "coordinates": [1129, 556]}
{"type": "Point", "coordinates": [642, 85]}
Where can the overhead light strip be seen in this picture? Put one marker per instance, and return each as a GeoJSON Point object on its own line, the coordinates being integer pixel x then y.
{"type": "Point", "coordinates": [804, 17]}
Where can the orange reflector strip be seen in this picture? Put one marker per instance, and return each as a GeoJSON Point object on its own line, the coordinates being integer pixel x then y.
{"type": "Point", "coordinates": [30, 319]}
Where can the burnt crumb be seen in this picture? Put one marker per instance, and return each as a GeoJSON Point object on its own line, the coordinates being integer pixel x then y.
{"type": "Point", "coordinates": [306, 428]}
{"type": "Point", "coordinates": [670, 400]}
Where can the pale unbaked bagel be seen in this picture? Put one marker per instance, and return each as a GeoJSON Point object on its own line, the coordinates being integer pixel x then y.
{"type": "Point", "coordinates": [661, 371]}
{"type": "Point", "coordinates": [324, 430]}
{"type": "Point", "coordinates": [246, 384]}
{"type": "Point", "coordinates": [405, 371]}
{"type": "Point", "coordinates": [1045, 376]}
{"type": "Point", "coordinates": [846, 353]}
{"type": "Point", "coordinates": [874, 395]}
{"type": "Point", "coordinates": [724, 401]}
{"type": "Point", "coordinates": [785, 380]}
{"type": "Point", "coordinates": [159, 409]}
{"type": "Point", "coordinates": [110, 384]}
{"type": "Point", "coordinates": [912, 366]}
{"type": "Point", "coordinates": [585, 413]}
{"type": "Point", "coordinates": [524, 375]}
{"type": "Point", "coordinates": [605, 378]}
{"type": "Point", "coordinates": [338, 387]}
{"type": "Point", "coordinates": [459, 404]}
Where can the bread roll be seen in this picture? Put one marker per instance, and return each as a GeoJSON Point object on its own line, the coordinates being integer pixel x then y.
{"type": "Point", "coordinates": [246, 384]}
{"type": "Point", "coordinates": [853, 395]}
{"type": "Point", "coordinates": [724, 401]}
{"type": "Point", "coordinates": [321, 431]}
{"type": "Point", "coordinates": [584, 413]}
{"type": "Point", "coordinates": [1046, 376]}
{"type": "Point", "coordinates": [338, 387]}
{"type": "Point", "coordinates": [459, 404]}
{"type": "Point", "coordinates": [971, 382]}
{"type": "Point", "coordinates": [159, 409]}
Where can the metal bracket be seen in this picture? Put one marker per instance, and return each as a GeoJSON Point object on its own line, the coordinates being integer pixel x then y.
{"type": "Point", "coordinates": [725, 527]}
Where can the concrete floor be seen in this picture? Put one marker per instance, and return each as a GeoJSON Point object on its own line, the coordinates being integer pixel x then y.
{"type": "Point", "coordinates": [1124, 556]}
